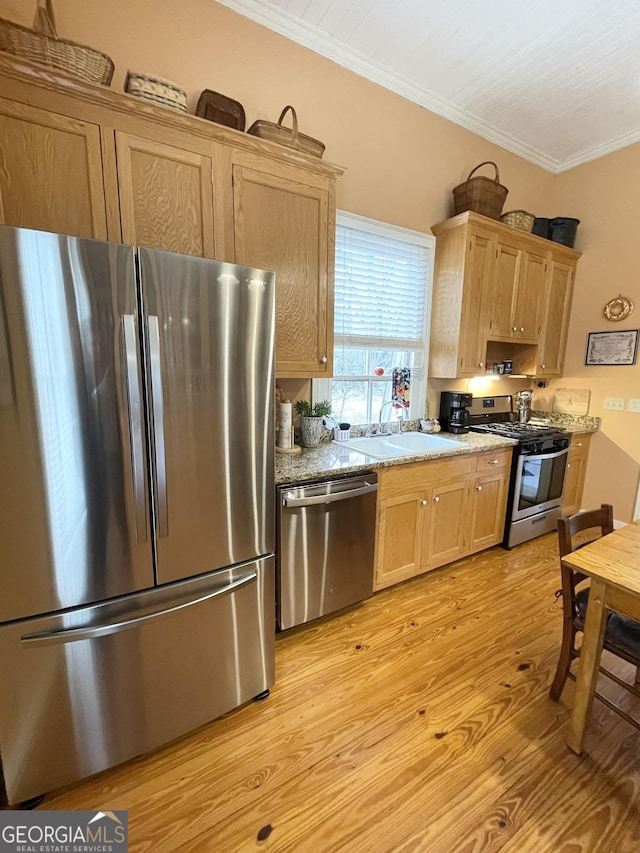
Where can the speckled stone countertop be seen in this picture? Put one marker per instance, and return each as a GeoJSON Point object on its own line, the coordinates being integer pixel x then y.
{"type": "Point", "coordinates": [572, 423]}
{"type": "Point", "coordinates": [332, 459]}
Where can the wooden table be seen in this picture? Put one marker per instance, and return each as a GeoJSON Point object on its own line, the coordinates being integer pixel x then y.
{"type": "Point", "coordinates": [613, 564]}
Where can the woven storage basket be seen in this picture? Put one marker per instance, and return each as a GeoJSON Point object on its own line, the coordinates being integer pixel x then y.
{"type": "Point", "coordinates": [156, 89]}
{"type": "Point", "coordinates": [519, 219]}
{"type": "Point", "coordinates": [481, 194]}
{"type": "Point", "coordinates": [41, 44]}
{"type": "Point", "coordinates": [292, 138]}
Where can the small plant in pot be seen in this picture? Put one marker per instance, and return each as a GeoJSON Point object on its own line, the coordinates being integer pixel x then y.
{"type": "Point", "coordinates": [311, 421]}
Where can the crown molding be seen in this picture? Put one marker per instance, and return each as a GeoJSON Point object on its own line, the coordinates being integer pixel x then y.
{"type": "Point", "coordinates": [263, 12]}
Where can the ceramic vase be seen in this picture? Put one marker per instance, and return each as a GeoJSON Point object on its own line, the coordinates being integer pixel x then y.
{"type": "Point", "coordinates": [310, 431]}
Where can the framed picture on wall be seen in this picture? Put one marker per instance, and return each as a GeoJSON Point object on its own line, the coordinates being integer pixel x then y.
{"type": "Point", "coordinates": [612, 348]}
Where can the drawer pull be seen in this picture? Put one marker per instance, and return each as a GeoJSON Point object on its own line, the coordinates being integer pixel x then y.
{"type": "Point", "coordinates": [493, 461]}
{"type": "Point", "coordinates": [578, 444]}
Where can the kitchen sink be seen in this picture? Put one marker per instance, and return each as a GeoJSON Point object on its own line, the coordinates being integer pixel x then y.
{"type": "Point", "coordinates": [388, 446]}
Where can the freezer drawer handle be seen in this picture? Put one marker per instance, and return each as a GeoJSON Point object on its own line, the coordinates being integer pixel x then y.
{"type": "Point", "coordinates": [90, 632]}
{"type": "Point", "coordinates": [136, 442]}
{"type": "Point", "coordinates": [157, 404]}
{"type": "Point", "coordinates": [288, 500]}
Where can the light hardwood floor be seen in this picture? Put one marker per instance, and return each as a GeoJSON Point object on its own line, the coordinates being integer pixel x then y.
{"type": "Point", "coordinates": [419, 721]}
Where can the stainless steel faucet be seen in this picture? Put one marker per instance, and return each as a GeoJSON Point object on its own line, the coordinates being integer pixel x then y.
{"type": "Point", "coordinates": [405, 415]}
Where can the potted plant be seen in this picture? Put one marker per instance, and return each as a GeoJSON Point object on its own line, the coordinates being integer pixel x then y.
{"type": "Point", "coordinates": [311, 421]}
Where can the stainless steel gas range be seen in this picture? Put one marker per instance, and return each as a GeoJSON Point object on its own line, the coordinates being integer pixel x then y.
{"type": "Point", "coordinates": [538, 469]}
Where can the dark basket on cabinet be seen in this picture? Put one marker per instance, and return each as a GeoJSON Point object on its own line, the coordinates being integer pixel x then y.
{"type": "Point", "coordinates": [221, 109]}
{"type": "Point", "coordinates": [481, 194]}
{"type": "Point", "coordinates": [563, 229]}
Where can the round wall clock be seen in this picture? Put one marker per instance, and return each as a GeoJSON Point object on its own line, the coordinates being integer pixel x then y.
{"type": "Point", "coordinates": [618, 308]}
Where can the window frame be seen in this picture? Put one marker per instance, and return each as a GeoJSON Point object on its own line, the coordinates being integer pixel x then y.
{"type": "Point", "coordinates": [321, 388]}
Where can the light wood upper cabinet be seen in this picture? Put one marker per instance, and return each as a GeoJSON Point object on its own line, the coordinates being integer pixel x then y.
{"type": "Point", "coordinates": [498, 293]}
{"type": "Point", "coordinates": [464, 262]}
{"type": "Point", "coordinates": [283, 219]}
{"type": "Point", "coordinates": [555, 324]}
{"type": "Point", "coordinates": [166, 195]}
{"type": "Point", "coordinates": [50, 172]}
{"type": "Point", "coordinates": [86, 160]}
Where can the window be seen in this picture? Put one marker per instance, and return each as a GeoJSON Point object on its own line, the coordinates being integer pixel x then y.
{"type": "Point", "coordinates": [382, 301]}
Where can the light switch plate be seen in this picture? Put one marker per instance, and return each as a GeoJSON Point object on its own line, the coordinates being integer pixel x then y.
{"type": "Point", "coordinates": [634, 404]}
{"type": "Point", "coordinates": [616, 404]}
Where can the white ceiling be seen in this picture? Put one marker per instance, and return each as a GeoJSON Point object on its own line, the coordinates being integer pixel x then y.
{"type": "Point", "coordinates": [555, 81]}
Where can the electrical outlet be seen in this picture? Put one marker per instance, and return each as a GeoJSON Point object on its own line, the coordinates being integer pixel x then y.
{"type": "Point", "coordinates": [616, 404]}
{"type": "Point", "coordinates": [634, 404]}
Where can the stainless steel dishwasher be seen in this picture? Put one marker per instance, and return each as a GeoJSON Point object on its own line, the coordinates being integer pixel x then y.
{"type": "Point", "coordinates": [325, 547]}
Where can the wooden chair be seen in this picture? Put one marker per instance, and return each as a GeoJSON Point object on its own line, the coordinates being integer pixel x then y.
{"type": "Point", "coordinates": [622, 635]}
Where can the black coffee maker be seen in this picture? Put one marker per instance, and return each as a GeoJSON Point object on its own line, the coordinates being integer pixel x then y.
{"type": "Point", "coordinates": [454, 416]}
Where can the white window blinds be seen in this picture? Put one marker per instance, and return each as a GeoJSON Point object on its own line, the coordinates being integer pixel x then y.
{"type": "Point", "coordinates": [380, 284]}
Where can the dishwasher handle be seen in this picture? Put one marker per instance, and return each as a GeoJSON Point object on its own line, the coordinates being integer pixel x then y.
{"type": "Point", "coordinates": [347, 494]}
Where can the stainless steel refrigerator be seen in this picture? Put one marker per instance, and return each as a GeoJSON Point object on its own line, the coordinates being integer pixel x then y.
{"type": "Point", "coordinates": [136, 500]}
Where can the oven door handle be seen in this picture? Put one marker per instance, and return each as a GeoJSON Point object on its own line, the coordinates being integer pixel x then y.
{"type": "Point", "coordinates": [537, 456]}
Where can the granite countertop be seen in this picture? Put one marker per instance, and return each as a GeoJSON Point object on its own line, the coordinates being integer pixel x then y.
{"type": "Point", "coordinates": [576, 424]}
{"type": "Point", "coordinates": [331, 459]}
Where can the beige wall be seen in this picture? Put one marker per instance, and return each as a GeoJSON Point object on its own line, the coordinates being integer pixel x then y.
{"type": "Point", "coordinates": [401, 161]}
{"type": "Point", "coordinates": [605, 196]}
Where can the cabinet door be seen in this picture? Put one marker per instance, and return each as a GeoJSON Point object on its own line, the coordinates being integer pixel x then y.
{"type": "Point", "coordinates": [50, 172]}
{"type": "Point", "coordinates": [575, 476]}
{"type": "Point", "coordinates": [166, 196]}
{"type": "Point", "coordinates": [283, 224]}
{"type": "Point", "coordinates": [529, 292]}
{"type": "Point", "coordinates": [501, 296]}
{"type": "Point", "coordinates": [400, 537]}
{"type": "Point", "coordinates": [473, 333]}
{"type": "Point", "coordinates": [447, 523]}
{"type": "Point", "coordinates": [488, 502]}
{"type": "Point", "coordinates": [556, 321]}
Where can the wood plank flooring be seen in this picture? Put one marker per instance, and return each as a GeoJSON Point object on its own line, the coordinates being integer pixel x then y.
{"type": "Point", "coordinates": [418, 721]}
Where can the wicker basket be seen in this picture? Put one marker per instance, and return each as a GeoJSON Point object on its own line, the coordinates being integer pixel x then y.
{"type": "Point", "coordinates": [156, 89]}
{"type": "Point", "coordinates": [519, 219]}
{"type": "Point", "coordinates": [41, 44]}
{"type": "Point", "coordinates": [480, 194]}
{"type": "Point", "coordinates": [292, 138]}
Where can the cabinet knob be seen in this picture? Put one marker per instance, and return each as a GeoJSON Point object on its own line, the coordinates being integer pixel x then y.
{"type": "Point", "coordinates": [481, 364]}
{"type": "Point", "coordinates": [515, 328]}
{"type": "Point", "coordinates": [522, 328]}
{"type": "Point", "coordinates": [493, 462]}
{"type": "Point", "coordinates": [478, 488]}
{"type": "Point", "coordinates": [543, 366]}
{"type": "Point", "coordinates": [568, 464]}
{"type": "Point", "coordinates": [324, 359]}
{"type": "Point", "coordinates": [578, 444]}
{"type": "Point", "coordinates": [436, 500]}
{"type": "Point", "coordinates": [424, 503]}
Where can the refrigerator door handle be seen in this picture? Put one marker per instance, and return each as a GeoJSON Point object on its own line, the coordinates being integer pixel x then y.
{"type": "Point", "coordinates": [90, 632]}
{"type": "Point", "coordinates": [157, 405]}
{"type": "Point", "coordinates": [134, 414]}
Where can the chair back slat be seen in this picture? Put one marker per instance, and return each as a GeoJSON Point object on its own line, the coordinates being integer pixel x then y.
{"type": "Point", "coordinates": [598, 520]}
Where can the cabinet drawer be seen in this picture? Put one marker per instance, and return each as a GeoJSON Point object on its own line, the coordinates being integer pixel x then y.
{"type": "Point", "coordinates": [579, 443]}
{"type": "Point", "coordinates": [487, 462]}
{"type": "Point", "coordinates": [406, 478]}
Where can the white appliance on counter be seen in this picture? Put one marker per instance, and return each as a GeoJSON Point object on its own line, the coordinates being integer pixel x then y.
{"type": "Point", "coordinates": [137, 517]}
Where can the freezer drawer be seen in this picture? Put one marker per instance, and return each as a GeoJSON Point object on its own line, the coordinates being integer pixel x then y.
{"type": "Point", "coordinates": [326, 540]}
{"type": "Point", "coordinates": [86, 690]}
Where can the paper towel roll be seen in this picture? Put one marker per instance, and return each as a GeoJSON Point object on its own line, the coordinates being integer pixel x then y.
{"type": "Point", "coordinates": [285, 425]}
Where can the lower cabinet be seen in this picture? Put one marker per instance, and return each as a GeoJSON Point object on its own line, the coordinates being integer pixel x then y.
{"type": "Point", "coordinates": [576, 471]}
{"type": "Point", "coordinates": [432, 513]}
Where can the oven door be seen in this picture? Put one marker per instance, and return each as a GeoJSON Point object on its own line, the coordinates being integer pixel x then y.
{"type": "Point", "coordinates": [539, 482]}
